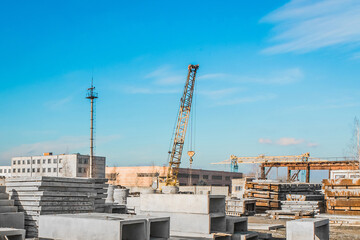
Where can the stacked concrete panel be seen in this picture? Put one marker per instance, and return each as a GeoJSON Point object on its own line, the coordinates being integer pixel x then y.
{"type": "Point", "coordinates": [342, 196]}
{"type": "Point", "coordinates": [94, 226]}
{"type": "Point", "coordinates": [37, 196]}
{"type": "Point", "coordinates": [11, 221]}
{"type": "Point", "coordinates": [268, 194]}
{"type": "Point", "coordinates": [101, 194]}
{"type": "Point", "coordinates": [189, 214]}
{"type": "Point", "coordinates": [240, 207]}
{"type": "Point", "coordinates": [315, 206]}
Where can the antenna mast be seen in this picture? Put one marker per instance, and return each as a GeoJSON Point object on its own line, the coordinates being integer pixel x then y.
{"type": "Point", "coordinates": [91, 94]}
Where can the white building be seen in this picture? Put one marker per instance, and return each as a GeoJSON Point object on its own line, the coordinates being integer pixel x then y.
{"type": "Point", "coordinates": [69, 165]}
{"type": "Point", "coordinates": [336, 174]}
{"type": "Point", "coordinates": [5, 171]}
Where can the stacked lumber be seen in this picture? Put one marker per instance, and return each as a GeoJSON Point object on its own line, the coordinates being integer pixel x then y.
{"type": "Point", "coordinates": [342, 196]}
{"type": "Point", "coordinates": [286, 214]}
{"type": "Point", "coordinates": [37, 196]}
{"type": "Point", "coordinates": [268, 195]}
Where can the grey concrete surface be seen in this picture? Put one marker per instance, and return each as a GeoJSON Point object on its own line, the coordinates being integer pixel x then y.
{"type": "Point", "coordinates": [91, 226]}
{"type": "Point", "coordinates": [12, 233]}
{"type": "Point", "coordinates": [12, 220]}
{"type": "Point", "coordinates": [236, 224]}
{"type": "Point", "coordinates": [308, 228]}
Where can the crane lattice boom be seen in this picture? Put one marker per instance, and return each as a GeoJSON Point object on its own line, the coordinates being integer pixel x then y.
{"type": "Point", "coordinates": [181, 126]}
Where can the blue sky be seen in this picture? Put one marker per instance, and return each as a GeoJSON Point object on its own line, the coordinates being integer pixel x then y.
{"type": "Point", "coordinates": [275, 77]}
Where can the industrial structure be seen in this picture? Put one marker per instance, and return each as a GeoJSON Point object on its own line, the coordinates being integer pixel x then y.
{"type": "Point", "coordinates": [181, 126]}
{"type": "Point", "coordinates": [294, 163]}
{"type": "Point", "coordinates": [92, 95]}
{"type": "Point", "coordinates": [144, 176]}
{"type": "Point", "coordinates": [63, 165]}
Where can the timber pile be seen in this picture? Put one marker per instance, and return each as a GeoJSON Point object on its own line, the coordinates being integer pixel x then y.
{"type": "Point", "coordinates": [285, 214]}
{"type": "Point", "coordinates": [37, 196]}
{"type": "Point", "coordinates": [268, 195]}
{"type": "Point", "coordinates": [342, 196]}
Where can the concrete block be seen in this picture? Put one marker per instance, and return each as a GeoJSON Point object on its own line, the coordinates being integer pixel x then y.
{"type": "Point", "coordinates": [264, 226]}
{"type": "Point", "coordinates": [12, 220]}
{"type": "Point", "coordinates": [12, 233]}
{"type": "Point", "coordinates": [6, 202]}
{"type": "Point", "coordinates": [182, 203]}
{"type": "Point", "coordinates": [245, 236]}
{"type": "Point", "coordinates": [308, 228]}
{"type": "Point", "coordinates": [193, 223]}
{"type": "Point", "coordinates": [199, 236]}
{"type": "Point", "coordinates": [92, 226]}
{"type": "Point", "coordinates": [2, 189]}
{"type": "Point", "coordinates": [236, 224]}
{"type": "Point", "coordinates": [5, 209]}
{"type": "Point", "coordinates": [4, 196]}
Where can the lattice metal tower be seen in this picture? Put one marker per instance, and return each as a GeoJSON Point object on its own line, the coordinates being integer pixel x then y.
{"type": "Point", "coordinates": [92, 95]}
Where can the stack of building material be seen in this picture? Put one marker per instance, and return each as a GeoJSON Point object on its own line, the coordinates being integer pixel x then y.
{"type": "Point", "coordinates": [101, 194]}
{"type": "Point", "coordinates": [240, 207]}
{"type": "Point", "coordinates": [269, 194]}
{"type": "Point", "coordinates": [86, 226]}
{"type": "Point", "coordinates": [342, 196]}
{"type": "Point", "coordinates": [315, 206]}
{"type": "Point", "coordinates": [37, 196]}
{"type": "Point", "coordinates": [289, 214]}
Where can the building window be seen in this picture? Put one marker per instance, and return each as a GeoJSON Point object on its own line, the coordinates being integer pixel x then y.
{"type": "Point", "coordinates": [28, 161]}
{"type": "Point", "coordinates": [148, 174]}
{"type": "Point", "coordinates": [60, 170]}
{"type": "Point", "coordinates": [80, 161]}
{"type": "Point", "coordinates": [227, 178]}
{"type": "Point", "coordinates": [19, 170]}
{"type": "Point", "coordinates": [237, 188]}
{"type": "Point", "coordinates": [44, 169]}
{"type": "Point", "coordinates": [55, 169]}
{"type": "Point", "coordinates": [19, 162]}
{"type": "Point", "coordinates": [38, 161]}
{"type": "Point", "coordinates": [195, 176]}
{"type": "Point", "coordinates": [183, 175]}
{"type": "Point", "coordinates": [28, 170]}
{"type": "Point", "coordinates": [33, 161]}
{"type": "Point", "coordinates": [23, 170]}
{"type": "Point", "coordinates": [23, 161]}
{"type": "Point", "coordinates": [205, 177]}
{"type": "Point", "coordinates": [216, 177]}
{"type": "Point", "coordinates": [4, 170]}
{"type": "Point", "coordinates": [38, 170]}
{"type": "Point", "coordinates": [49, 169]}
{"type": "Point", "coordinates": [49, 160]}
{"type": "Point", "coordinates": [0, 170]}
{"type": "Point", "coordinates": [85, 161]}
{"type": "Point", "coordinates": [44, 161]}
{"type": "Point", "coordinates": [55, 160]}
{"type": "Point", "coordinates": [33, 170]}
{"type": "Point", "coordinates": [14, 162]}
{"type": "Point", "coordinates": [79, 170]}
{"type": "Point", "coordinates": [14, 170]}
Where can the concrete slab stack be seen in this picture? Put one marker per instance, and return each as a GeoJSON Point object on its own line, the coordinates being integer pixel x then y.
{"type": "Point", "coordinates": [101, 194]}
{"type": "Point", "coordinates": [316, 206]}
{"type": "Point", "coordinates": [268, 194]}
{"type": "Point", "coordinates": [37, 196]}
{"type": "Point", "coordinates": [94, 226]}
{"type": "Point", "coordinates": [189, 213]}
{"type": "Point", "coordinates": [240, 207]}
{"type": "Point", "coordinates": [342, 196]}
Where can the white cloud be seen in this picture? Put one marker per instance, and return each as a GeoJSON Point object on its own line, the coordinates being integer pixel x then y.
{"type": "Point", "coordinates": [64, 144]}
{"type": "Point", "coordinates": [307, 25]}
{"type": "Point", "coordinates": [219, 93]}
{"type": "Point", "coordinates": [289, 141]}
{"type": "Point", "coordinates": [56, 104]}
{"type": "Point", "coordinates": [250, 99]}
{"type": "Point", "coordinates": [265, 141]}
{"type": "Point", "coordinates": [150, 90]}
{"type": "Point", "coordinates": [164, 75]}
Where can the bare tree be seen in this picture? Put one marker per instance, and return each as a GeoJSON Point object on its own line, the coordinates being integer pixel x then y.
{"type": "Point", "coordinates": [354, 146]}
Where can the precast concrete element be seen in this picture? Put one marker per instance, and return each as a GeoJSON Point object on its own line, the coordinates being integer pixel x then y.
{"type": "Point", "coordinates": [170, 189]}
{"type": "Point", "coordinates": [120, 195]}
{"type": "Point", "coordinates": [193, 223]}
{"type": "Point", "coordinates": [133, 204]}
{"type": "Point", "coordinates": [110, 194]}
{"type": "Point", "coordinates": [182, 203]}
{"type": "Point", "coordinates": [111, 208]}
{"type": "Point", "coordinates": [92, 226]}
{"type": "Point", "coordinates": [308, 228]}
{"type": "Point", "coordinates": [12, 233]}
{"type": "Point", "coordinates": [245, 236]}
{"type": "Point", "coordinates": [236, 224]}
{"type": "Point", "coordinates": [157, 227]}
{"type": "Point", "coordinates": [12, 220]}
{"type": "Point", "coordinates": [198, 236]}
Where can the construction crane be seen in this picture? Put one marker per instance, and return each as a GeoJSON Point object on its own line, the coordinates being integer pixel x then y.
{"type": "Point", "coordinates": [181, 126]}
{"type": "Point", "coordinates": [262, 159]}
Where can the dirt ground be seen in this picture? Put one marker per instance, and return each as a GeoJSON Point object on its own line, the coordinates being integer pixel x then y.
{"type": "Point", "coordinates": [336, 232]}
